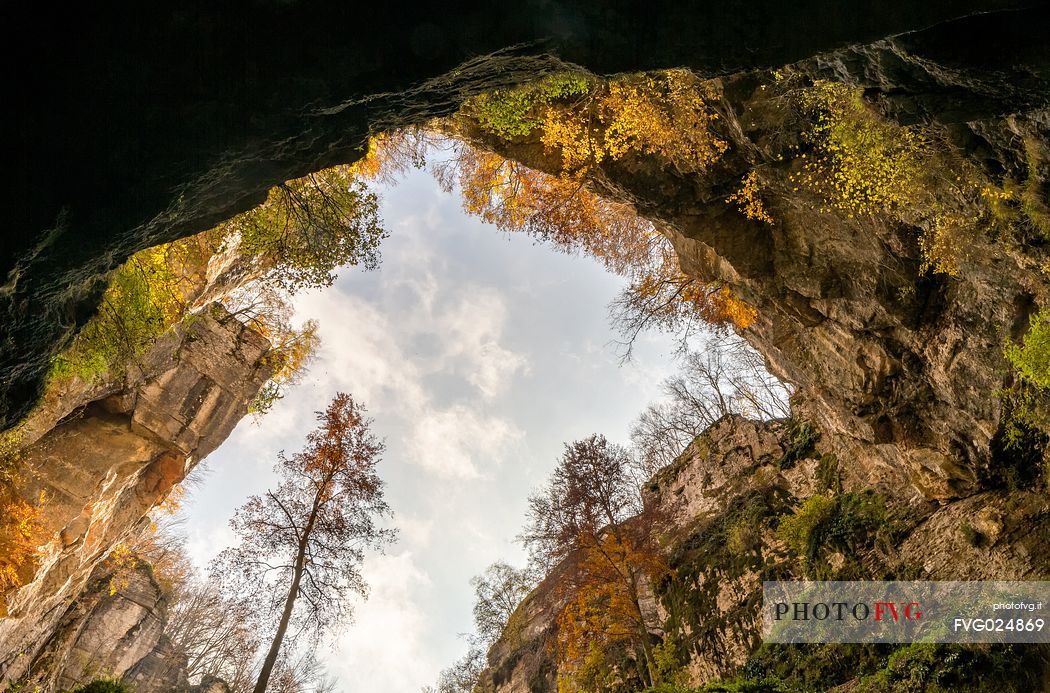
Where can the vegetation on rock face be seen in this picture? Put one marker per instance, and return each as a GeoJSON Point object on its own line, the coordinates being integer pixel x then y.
{"type": "Point", "coordinates": [914, 668]}
{"type": "Point", "coordinates": [510, 113]}
{"type": "Point", "coordinates": [1032, 357]}
{"type": "Point", "coordinates": [21, 535]}
{"type": "Point", "coordinates": [148, 294]}
{"type": "Point", "coordinates": [104, 686]}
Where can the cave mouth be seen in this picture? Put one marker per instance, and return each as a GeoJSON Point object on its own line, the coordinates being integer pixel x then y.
{"type": "Point", "coordinates": [803, 206]}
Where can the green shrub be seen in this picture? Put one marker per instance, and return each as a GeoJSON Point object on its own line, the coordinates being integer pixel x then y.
{"type": "Point", "coordinates": [846, 523]}
{"type": "Point", "coordinates": [739, 685]}
{"type": "Point", "coordinates": [803, 531]}
{"type": "Point", "coordinates": [941, 668]}
{"type": "Point", "coordinates": [1032, 358]}
{"type": "Point", "coordinates": [105, 686]}
{"type": "Point", "coordinates": [510, 113]}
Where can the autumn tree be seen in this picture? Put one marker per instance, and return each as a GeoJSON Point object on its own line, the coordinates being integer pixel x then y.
{"type": "Point", "coordinates": [302, 544]}
{"type": "Point", "coordinates": [589, 516]}
{"type": "Point", "coordinates": [726, 377]}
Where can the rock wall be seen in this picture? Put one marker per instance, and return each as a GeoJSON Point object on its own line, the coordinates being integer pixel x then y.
{"type": "Point", "coordinates": [741, 475]}
{"type": "Point", "coordinates": [101, 469]}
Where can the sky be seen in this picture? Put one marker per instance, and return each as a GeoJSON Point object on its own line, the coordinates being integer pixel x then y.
{"type": "Point", "coordinates": [478, 355]}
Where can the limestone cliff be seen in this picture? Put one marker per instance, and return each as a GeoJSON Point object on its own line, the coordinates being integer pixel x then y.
{"type": "Point", "coordinates": [723, 499]}
{"type": "Point", "coordinates": [101, 468]}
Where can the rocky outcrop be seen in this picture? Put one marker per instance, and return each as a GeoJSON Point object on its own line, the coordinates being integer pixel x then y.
{"type": "Point", "coordinates": [723, 499]}
{"type": "Point", "coordinates": [101, 470]}
{"type": "Point", "coordinates": [113, 630]}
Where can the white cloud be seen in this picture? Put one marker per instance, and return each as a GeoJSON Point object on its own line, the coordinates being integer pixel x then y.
{"type": "Point", "coordinates": [384, 649]}
{"type": "Point", "coordinates": [474, 327]}
{"type": "Point", "coordinates": [452, 442]}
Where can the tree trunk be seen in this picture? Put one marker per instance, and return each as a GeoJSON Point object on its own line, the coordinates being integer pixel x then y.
{"type": "Point", "coordinates": [643, 631]}
{"type": "Point", "coordinates": [286, 615]}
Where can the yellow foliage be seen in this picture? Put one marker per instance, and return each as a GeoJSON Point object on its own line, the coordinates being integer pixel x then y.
{"type": "Point", "coordinates": [666, 115]}
{"type": "Point", "coordinates": [860, 164]}
{"type": "Point", "coordinates": [121, 562]}
{"type": "Point", "coordinates": [748, 201]}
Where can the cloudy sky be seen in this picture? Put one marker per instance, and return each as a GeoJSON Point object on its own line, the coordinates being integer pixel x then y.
{"type": "Point", "coordinates": [477, 354]}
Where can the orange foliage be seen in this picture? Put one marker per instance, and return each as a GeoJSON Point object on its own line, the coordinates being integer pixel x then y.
{"type": "Point", "coordinates": [21, 534]}
{"type": "Point", "coordinates": [604, 612]}
{"type": "Point", "coordinates": [559, 209]}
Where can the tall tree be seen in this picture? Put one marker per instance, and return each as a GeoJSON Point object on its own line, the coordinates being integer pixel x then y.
{"type": "Point", "coordinates": [590, 518]}
{"type": "Point", "coordinates": [303, 543]}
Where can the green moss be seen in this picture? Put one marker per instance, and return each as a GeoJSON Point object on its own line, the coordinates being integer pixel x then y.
{"type": "Point", "coordinates": [512, 113]}
{"type": "Point", "coordinates": [828, 478]}
{"type": "Point", "coordinates": [105, 686]}
{"type": "Point", "coordinates": [803, 438]}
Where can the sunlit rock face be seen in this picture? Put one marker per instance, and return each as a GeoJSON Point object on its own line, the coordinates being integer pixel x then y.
{"type": "Point", "coordinates": [101, 469]}
{"type": "Point", "coordinates": [139, 123]}
{"type": "Point", "coordinates": [115, 630]}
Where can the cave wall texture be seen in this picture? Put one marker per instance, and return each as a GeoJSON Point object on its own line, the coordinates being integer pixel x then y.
{"type": "Point", "coordinates": [137, 123]}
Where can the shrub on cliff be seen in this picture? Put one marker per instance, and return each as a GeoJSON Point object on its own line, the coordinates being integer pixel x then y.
{"type": "Point", "coordinates": [105, 686]}
{"type": "Point", "coordinates": [1032, 357]}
